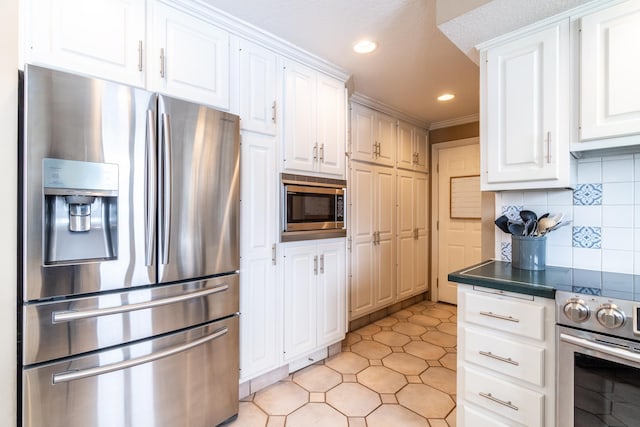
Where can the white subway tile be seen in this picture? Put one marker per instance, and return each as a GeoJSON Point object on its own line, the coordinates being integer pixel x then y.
{"type": "Point", "coordinates": [618, 261]}
{"type": "Point", "coordinates": [617, 238]}
{"type": "Point", "coordinates": [617, 216]}
{"type": "Point", "coordinates": [590, 216]}
{"type": "Point", "coordinates": [534, 198]}
{"type": "Point", "coordinates": [560, 197]}
{"type": "Point", "coordinates": [562, 236]}
{"type": "Point", "coordinates": [636, 263]}
{"type": "Point", "coordinates": [559, 256]}
{"type": "Point", "coordinates": [589, 172]}
{"type": "Point", "coordinates": [514, 198]}
{"type": "Point", "coordinates": [588, 259]}
{"type": "Point", "coordinates": [618, 170]}
{"type": "Point", "coordinates": [620, 193]}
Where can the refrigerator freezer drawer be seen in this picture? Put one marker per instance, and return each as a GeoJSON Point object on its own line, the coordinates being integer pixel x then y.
{"type": "Point", "coordinates": [69, 327]}
{"type": "Point", "coordinates": [190, 375]}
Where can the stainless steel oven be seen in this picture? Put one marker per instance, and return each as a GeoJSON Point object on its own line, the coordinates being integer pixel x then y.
{"type": "Point", "coordinates": [598, 361]}
{"type": "Point", "coordinates": [313, 208]}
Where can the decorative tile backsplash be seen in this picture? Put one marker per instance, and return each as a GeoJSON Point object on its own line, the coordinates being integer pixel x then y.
{"type": "Point", "coordinates": [604, 210]}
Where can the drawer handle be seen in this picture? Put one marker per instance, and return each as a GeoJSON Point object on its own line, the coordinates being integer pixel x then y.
{"type": "Point", "coordinates": [499, 316]}
{"type": "Point", "coordinates": [500, 358]}
{"type": "Point", "coordinates": [495, 399]}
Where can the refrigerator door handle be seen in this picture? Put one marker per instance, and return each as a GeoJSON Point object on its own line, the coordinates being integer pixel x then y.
{"type": "Point", "coordinates": [166, 187]}
{"type": "Point", "coordinates": [67, 376]}
{"type": "Point", "coordinates": [150, 190]}
{"type": "Point", "coordinates": [68, 316]}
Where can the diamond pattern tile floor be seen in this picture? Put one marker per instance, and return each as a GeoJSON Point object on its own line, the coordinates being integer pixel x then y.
{"type": "Point", "coordinates": [397, 371]}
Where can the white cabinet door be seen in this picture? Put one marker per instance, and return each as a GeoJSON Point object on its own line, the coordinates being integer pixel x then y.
{"type": "Point", "coordinates": [525, 117]}
{"type": "Point", "coordinates": [362, 227]}
{"type": "Point", "coordinates": [412, 233]}
{"type": "Point", "coordinates": [300, 299]}
{"type": "Point", "coordinates": [421, 148]}
{"type": "Point", "coordinates": [300, 144]}
{"type": "Point", "coordinates": [188, 57]}
{"type": "Point", "coordinates": [386, 130]}
{"type": "Point", "coordinates": [331, 293]}
{"type": "Point", "coordinates": [101, 38]}
{"type": "Point", "coordinates": [609, 70]}
{"type": "Point", "coordinates": [373, 240]}
{"type": "Point", "coordinates": [406, 154]}
{"type": "Point", "coordinates": [363, 131]}
{"type": "Point", "coordinates": [331, 131]}
{"type": "Point", "coordinates": [257, 89]}
{"type": "Point", "coordinates": [260, 293]}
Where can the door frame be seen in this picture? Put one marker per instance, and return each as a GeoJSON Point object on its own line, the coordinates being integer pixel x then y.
{"type": "Point", "coordinates": [435, 176]}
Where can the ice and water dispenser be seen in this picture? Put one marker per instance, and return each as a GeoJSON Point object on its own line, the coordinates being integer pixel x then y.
{"type": "Point", "coordinates": [80, 211]}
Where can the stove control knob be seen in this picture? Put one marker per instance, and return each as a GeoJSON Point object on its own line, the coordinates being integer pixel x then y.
{"type": "Point", "coordinates": [576, 310]}
{"type": "Point", "coordinates": [610, 316]}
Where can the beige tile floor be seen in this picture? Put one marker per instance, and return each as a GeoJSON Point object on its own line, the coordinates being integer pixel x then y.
{"type": "Point", "coordinates": [398, 371]}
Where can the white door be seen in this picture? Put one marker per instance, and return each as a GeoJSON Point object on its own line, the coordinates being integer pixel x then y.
{"type": "Point", "coordinates": [331, 293]}
{"type": "Point", "coordinates": [385, 220]}
{"type": "Point", "coordinates": [300, 145]}
{"type": "Point", "coordinates": [459, 241]}
{"type": "Point", "coordinates": [406, 232]}
{"type": "Point", "coordinates": [386, 135]}
{"type": "Point", "coordinates": [363, 130]}
{"type": "Point", "coordinates": [405, 154]}
{"type": "Point", "coordinates": [421, 254]}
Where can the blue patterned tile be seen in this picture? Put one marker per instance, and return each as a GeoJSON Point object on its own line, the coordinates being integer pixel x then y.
{"type": "Point", "coordinates": [587, 195]}
{"type": "Point", "coordinates": [586, 291]}
{"type": "Point", "coordinates": [505, 251]}
{"type": "Point", "coordinates": [587, 237]}
{"type": "Point", "coordinates": [512, 212]}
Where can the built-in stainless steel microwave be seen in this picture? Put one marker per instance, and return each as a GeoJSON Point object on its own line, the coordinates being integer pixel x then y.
{"type": "Point", "coordinates": [312, 208]}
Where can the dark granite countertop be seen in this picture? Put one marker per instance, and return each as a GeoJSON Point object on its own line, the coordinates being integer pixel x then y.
{"type": "Point", "coordinates": [544, 283]}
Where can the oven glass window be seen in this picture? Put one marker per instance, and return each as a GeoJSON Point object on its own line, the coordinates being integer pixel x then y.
{"type": "Point", "coordinates": [605, 393]}
{"type": "Point", "coordinates": [304, 207]}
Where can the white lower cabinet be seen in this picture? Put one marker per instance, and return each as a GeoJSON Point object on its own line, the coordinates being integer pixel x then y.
{"type": "Point", "coordinates": [314, 296]}
{"type": "Point", "coordinates": [506, 359]}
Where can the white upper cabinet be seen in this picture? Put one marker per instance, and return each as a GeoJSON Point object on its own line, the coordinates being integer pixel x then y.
{"type": "Point", "coordinates": [610, 72]}
{"type": "Point", "coordinates": [525, 111]}
{"type": "Point", "coordinates": [101, 38]}
{"type": "Point", "coordinates": [314, 122]}
{"type": "Point", "coordinates": [188, 57]}
{"type": "Point", "coordinates": [373, 136]}
{"type": "Point", "coordinates": [412, 147]}
{"type": "Point", "coordinates": [257, 89]}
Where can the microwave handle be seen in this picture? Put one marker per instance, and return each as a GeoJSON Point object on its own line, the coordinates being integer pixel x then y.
{"type": "Point", "coordinates": [345, 199]}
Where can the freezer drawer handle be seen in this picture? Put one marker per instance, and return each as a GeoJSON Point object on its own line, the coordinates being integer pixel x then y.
{"type": "Point", "coordinates": [67, 316]}
{"type": "Point", "coordinates": [99, 370]}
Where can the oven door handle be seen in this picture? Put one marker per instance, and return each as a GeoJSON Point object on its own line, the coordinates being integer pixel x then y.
{"type": "Point", "coordinates": [611, 351]}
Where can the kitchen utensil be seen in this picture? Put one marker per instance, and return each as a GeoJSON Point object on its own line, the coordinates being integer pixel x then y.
{"type": "Point", "coordinates": [502, 223]}
{"type": "Point", "coordinates": [516, 228]}
{"type": "Point", "coordinates": [527, 215]}
{"type": "Point", "coordinates": [544, 224]}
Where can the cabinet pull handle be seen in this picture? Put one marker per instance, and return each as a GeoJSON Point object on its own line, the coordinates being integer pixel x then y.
{"type": "Point", "coordinates": [315, 152]}
{"type": "Point", "coordinates": [273, 112]}
{"type": "Point", "coordinates": [139, 55]}
{"type": "Point", "coordinates": [548, 147]}
{"type": "Point", "coordinates": [322, 153]}
{"type": "Point", "coordinates": [500, 358]}
{"type": "Point", "coordinates": [315, 265]}
{"type": "Point", "coordinates": [378, 237]}
{"type": "Point", "coordinates": [495, 399]}
{"type": "Point", "coordinates": [273, 254]}
{"type": "Point", "coordinates": [499, 316]}
{"type": "Point", "coordinates": [378, 149]}
{"type": "Point", "coordinates": [162, 62]}
{"type": "Point", "coordinates": [322, 264]}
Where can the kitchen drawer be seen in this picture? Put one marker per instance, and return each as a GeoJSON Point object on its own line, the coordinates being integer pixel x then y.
{"type": "Point", "coordinates": [473, 417]}
{"type": "Point", "coordinates": [509, 400]}
{"type": "Point", "coordinates": [504, 314]}
{"type": "Point", "coordinates": [522, 361]}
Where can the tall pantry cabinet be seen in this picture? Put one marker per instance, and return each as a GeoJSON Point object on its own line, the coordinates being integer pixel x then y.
{"type": "Point", "coordinates": [388, 211]}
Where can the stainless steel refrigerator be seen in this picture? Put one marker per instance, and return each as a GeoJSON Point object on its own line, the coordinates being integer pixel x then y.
{"type": "Point", "coordinates": [129, 230]}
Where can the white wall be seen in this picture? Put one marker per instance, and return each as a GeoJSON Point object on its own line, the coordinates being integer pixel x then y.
{"type": "Point", "coordinates": [8, 189]}
{"type": "Point", "coordinates": [605, 212]}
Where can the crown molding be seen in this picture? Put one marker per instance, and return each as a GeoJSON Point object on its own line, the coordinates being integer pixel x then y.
{"type": "Point", "coordinates": [387, 109]}
{"type": "Point", "coordinates": [455, 122]}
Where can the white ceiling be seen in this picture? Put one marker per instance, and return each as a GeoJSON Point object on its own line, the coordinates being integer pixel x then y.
{"type": "Point", "coordinates": [415, 61]}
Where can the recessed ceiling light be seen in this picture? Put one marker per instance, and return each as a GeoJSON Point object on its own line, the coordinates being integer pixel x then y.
{"type": "Point", "coordinates": [365, 46]}
{"type": "Point", "coordinates": [446, 97]}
